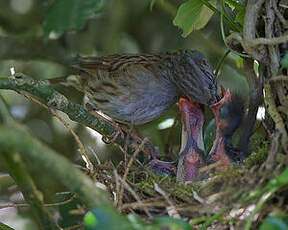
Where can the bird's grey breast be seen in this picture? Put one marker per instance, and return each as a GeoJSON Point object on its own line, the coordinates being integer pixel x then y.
{"type": "Point", "coordinates": [136, 94]}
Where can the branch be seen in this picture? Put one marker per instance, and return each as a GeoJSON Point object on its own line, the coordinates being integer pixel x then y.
{"type": "Point", "coordinates": [5, 227]}
{"type": "Point", "coordinates": [43, 90]}
{"type": "Point", "coordinates": [249, 32]}
{"type": "Point", "coordinates": [269, 41]}
{"type": "Point", "coordinates": [82, 149]}
{"type": "Point", "coordinates": [255, 99]}
{"type": "Point", "coordinates": [31, 149]}
{"type": "Point", "coordinates": [31, 194]}
{"type": "Point", "coordinates": [20, 175]}
{"type": "Point", "coordinates": [272, 110]}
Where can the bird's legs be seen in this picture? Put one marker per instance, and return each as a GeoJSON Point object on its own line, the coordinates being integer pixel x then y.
{"type": "Point", "coordinates": [112, 123]}
{"type": "Point", "coordinates": [121, 129]}
{"type": "Point", "coordinates": [191, 142]}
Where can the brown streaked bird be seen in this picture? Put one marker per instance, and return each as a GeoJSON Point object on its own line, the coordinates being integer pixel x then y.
{"type": "Point", "coordinates": [139, 88]}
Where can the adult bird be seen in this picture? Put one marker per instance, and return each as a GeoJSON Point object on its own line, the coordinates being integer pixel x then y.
{"type": "Point", "coordinates": [136, 89]}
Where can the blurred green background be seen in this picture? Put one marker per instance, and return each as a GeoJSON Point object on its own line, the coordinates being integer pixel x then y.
{"type": "Point", "coordinates": [122, 26]}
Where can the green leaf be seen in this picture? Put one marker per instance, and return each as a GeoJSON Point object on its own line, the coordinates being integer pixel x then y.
{"type": "Point", "coordinates": [193, 15]}
{"type": "Point", "coordinates": [273, 222]}
{"type": "Point", "coordinates": [233, 4]}
{"type": "Point", "coordinates": [240, 16]}
{"type": "Point", "coordinates": [152, 3]}
{"type": "Point", "coordinates": [239, 62]}
{"type": "Point", "coordinates": [66, 15]}
{"type": "Point", "coordinates": [106, 218]}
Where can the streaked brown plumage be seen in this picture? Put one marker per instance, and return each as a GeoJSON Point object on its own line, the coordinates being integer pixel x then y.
{"type": "Point", "coordinates": [139, 88]}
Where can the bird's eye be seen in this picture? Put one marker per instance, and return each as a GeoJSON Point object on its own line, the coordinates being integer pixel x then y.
{"type": "Point", "coordinates": [204, 62]}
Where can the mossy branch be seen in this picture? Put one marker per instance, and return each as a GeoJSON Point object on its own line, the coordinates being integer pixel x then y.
{"type": "Point", "coordinates": [5, 227]}
{"type": "Point", "coordinates": [43, 90]}
{"type": "Point", "coordinates": [272, 110]}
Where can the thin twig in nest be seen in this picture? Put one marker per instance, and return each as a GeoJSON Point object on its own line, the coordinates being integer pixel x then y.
{"type": "Point", "coordinates": [77, 226]}
{"type": "Point", "coordinates": [147, 204]}
{"type": "Point", "coordinates": [45, 205]}
{"type": "Point", "coordinates": [84, 155]}
{"type": "Point", "coordinates": [172, 211]}
{"type": "Point", "coordinates": [131, 160]}
{"type": "Point", "coordinates": [127, 186]}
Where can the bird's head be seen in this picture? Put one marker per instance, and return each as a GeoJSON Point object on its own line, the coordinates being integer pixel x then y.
{"type": "Point", "coordinates": [195, 78]}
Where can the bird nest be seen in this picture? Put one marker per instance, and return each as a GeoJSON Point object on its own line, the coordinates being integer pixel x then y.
{"type": "Point", "coordinates": [241, 196]}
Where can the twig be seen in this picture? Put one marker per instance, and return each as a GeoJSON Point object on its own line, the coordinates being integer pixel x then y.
{"type": "Point", "coordinates": [32, 195]}
{"type": "Point", "coordinates": [255, 100]}
{"type": "Point", "coordinates": [131, 160]}
{"type": "Point", "coordinates": [209, 167]}
{"type": "Point", "coordinates": [249, 28]}
{"type": "Point", "coordinates": [43, 90]}
{"type": "Point", "coordinates": [268, 41]}
{"type": "Point", "coordinates": [270, 28]}
{"type": "Point", "coordinates": [279, 123]}
{"type": "Point", "coordinates": [279, 15]}
{"type": "Point", "coordinates": [259, 205]}
{"type": "Point", "coordinates": [85, 157]}
{"type": "Point", "coordinates": [273, 150]}
{"type": "Point", "coordinates": [45, 205]}
{"type": "Point", "coordinates": [14, 205]}
{"type": "Point", "coordinates": [31, 149]}
{"type": "Point", "coordinates": [172, 211]}
{"type": "Point", "coordinates": [77, 226]}
{"type": "Point", "coordinates": [227, 19]}
{"type": "Point", "coordinates": [279, 78]}
{"type": "Point", "coordinates": [220, 63]}
{"type": "Point", "coordinates": [147, 204]}
{"type": "Point", "coordinates": [95, 155]}
{"type": "Point", "coordinates": [127, 186]}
